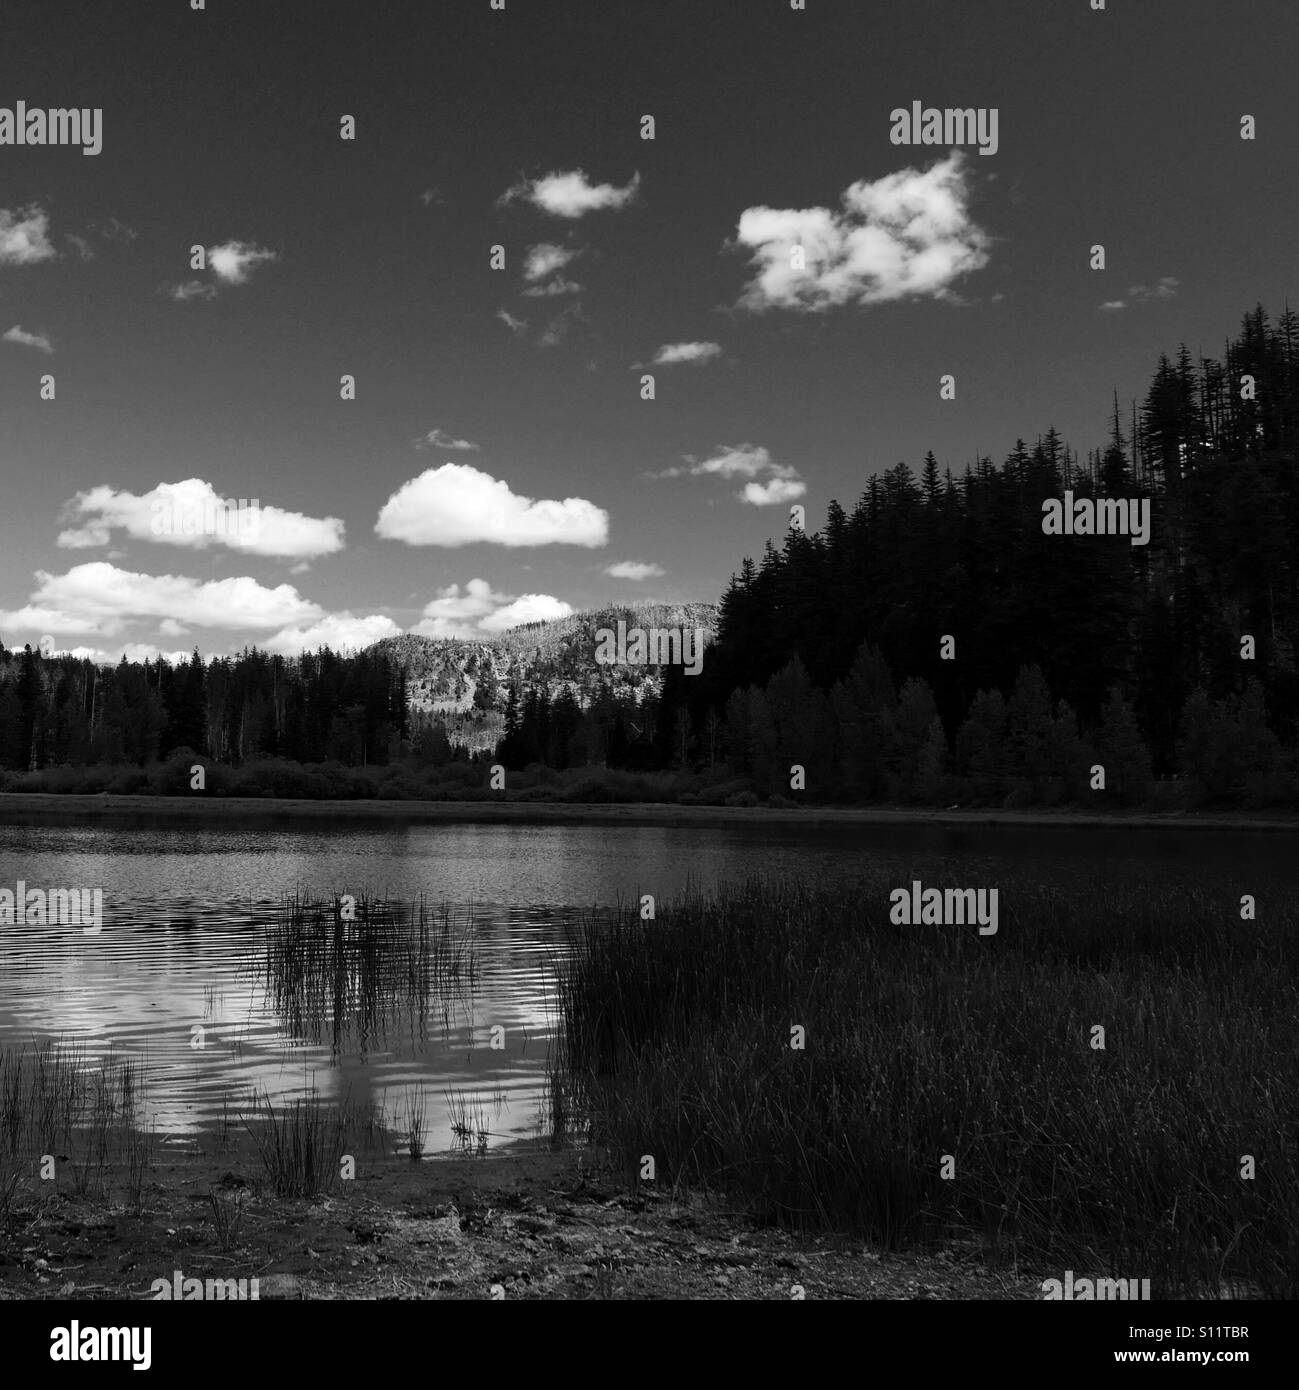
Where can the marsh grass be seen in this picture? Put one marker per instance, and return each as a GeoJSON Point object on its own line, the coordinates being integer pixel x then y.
{"type": "Point", "coordinates": [301, 1144]}
{"type": "Point", "coordinates": [227, 1216]}
{"type": "Point", "coordinates": [925, 1041]}
{"type": "Point", "coordinates": [57, 1098]}
{"type": "Point", "coordinates": [352, 980]}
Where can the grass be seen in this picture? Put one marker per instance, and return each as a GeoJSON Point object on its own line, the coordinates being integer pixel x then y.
{"type": "Point", "coordinates": [351, 974]}
{"type": "Point", "coordinates": [924, 1042]}
{"type": "Point", "coordinates": [56, 1099]}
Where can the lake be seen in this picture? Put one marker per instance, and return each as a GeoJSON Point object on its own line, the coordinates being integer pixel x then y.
{"type": "Point", "coordinates": [185, 912]}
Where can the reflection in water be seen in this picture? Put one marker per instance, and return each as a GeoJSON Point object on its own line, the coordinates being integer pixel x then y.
{"type": "Point", "coordinates": [214, 994]}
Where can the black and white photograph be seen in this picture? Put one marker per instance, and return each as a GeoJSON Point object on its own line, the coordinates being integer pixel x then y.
{"type": "Point", "coordinates": [649, 652]}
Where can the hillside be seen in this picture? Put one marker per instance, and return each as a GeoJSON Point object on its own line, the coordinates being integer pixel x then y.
{"type": "Point", "coordinates": [466, 683]}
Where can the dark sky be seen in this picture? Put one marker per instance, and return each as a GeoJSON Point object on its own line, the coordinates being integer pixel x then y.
{"type": "Point", "coordinates": [221, 129]}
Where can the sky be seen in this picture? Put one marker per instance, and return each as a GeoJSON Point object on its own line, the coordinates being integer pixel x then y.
{"type": "Point", "coordinates": [499, 462]}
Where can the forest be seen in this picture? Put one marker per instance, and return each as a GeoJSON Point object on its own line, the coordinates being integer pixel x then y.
{"type": "Point", "coordinates": [932, 645]}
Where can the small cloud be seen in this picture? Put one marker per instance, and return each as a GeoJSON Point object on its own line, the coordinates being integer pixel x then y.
{"type": "Point", "coordinates": [81, 246]}
{"type": "Point", "coordinates": [458, 505]}
{"type": "Point", "coordinates": [745, 461]}
{"type": "Point", "coordinates": [440, 439]}
{"type": "Point", "coordinates": [1165, 288]}
{"type": "Point", "coordinates": [233, 261]}
{"type": "Point", "coordinates": [671, 353]}
{"type": "Point", "coordinates": [635, 569]}
{"type": "Point", "coordinates": [191, 289]}
{"type": "Point", "coordinates": [515, 326]}
{"type": "Point", "coordinates": [432, 195]}
{"type": "Point", "coordinates": [571, 194]}
{"type": "Point", "coordinates": [25, 236]}
{"type": "Point", "coordinates": [35, 340]}
{"type": "Point", "coordinates": [771, 493]}
{"type": "Point", "coordinates": [541, 268]}
{"type": "Point", "coordinates": [544, 259]}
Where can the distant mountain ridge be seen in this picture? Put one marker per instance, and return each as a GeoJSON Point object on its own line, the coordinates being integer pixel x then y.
{"type": "Point", "coordinates": [465, 682]}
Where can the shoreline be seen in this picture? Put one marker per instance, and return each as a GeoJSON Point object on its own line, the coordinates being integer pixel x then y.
{"type": "Point", "coordinates": [35, 808]}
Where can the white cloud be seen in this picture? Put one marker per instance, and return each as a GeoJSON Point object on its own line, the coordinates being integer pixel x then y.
{"type": "Point", "coordinates": [571, 194]}
{"type": "Point", "coordinates": [634, 569]}
{"type": "Point", "coordinates": [906, 234]}
{"type": "Point", "coordinates": [440, 439]}
{"type": "Point", "coordinates": [541, 267]}
{"type": "Point", "coordinates": [479, 612]}
{"type": "Point", "coordinates": [25, 236]}
{"type": "Point", "coordinates": [545, 259]}
{"type": "Point", "coordinates": [457, 505]}
{"type": "Point", "coordinates": [233, 261]}
{"type": "Point", "coordinates": [671, 353]}
{"type": "Point", "coordinates": [771, 493]}
{"type": "Point", "coordinates": [513, 324]}
{"type": "Point", "coordinates": [431, 195]}
{"type": "Point", "coordinates": [81, 246]}
{"type": "Point", "coordinates": [99, 597]}
{"type": "Point", "coordinates": [36, 340]}
{"type": "Point", "coordinates": [192, 513]}
{"type": "Point", "coordinates": [1143, 294]}
{"type": "Point", "coordinates": [553, 287]}
{"type": "Point", "coordinates": [751, 461]}
{"type": "Point", "coordinates": [192, 289]}
{"type": "Point", "coordinates": [339, 631]}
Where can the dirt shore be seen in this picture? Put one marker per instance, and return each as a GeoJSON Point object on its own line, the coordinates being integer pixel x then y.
{"type": "Point", "coordinates": [536, 1225]}
{"type": "Point", "coordinates": [38, 808]}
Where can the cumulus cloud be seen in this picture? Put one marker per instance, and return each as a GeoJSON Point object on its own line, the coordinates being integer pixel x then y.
{"type": "Point", "coordinates": [340, 632]}
{"type": "Point", "coordinates": [25, 236]}
{"type": "Point", "coordinates": [35, 340]}
{"type": "Point", "coordinates": [232, 262]}
{"type": "Point", "coordinates": [634, 569]}
{"type": "Point", "coordinates": [515, 326]}
{"type": "Point", "coordinates": [751, 461]}
{"type": "Point", "coordinates": [571, 194]}
{"type": "Point", "coordinates": [1143, 294]}
{"type": "Point", "coordinates": [101, 598]}
{"type": "Point", "coordinates": [457, 505]}
{"type": "Point", "coordinates": [671, 353]}
{"type": "Point", "coordinates": [904, 235]}
{"type": "Point", "coordinates": [440, 439]}
{"type": "Point", "coordinates": [192, 513]}
{"type": "Point", "coordinates": [477, 611]}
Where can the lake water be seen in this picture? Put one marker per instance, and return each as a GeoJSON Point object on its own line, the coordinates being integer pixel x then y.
{"type": "Point", "coordinates": [185, 910]}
